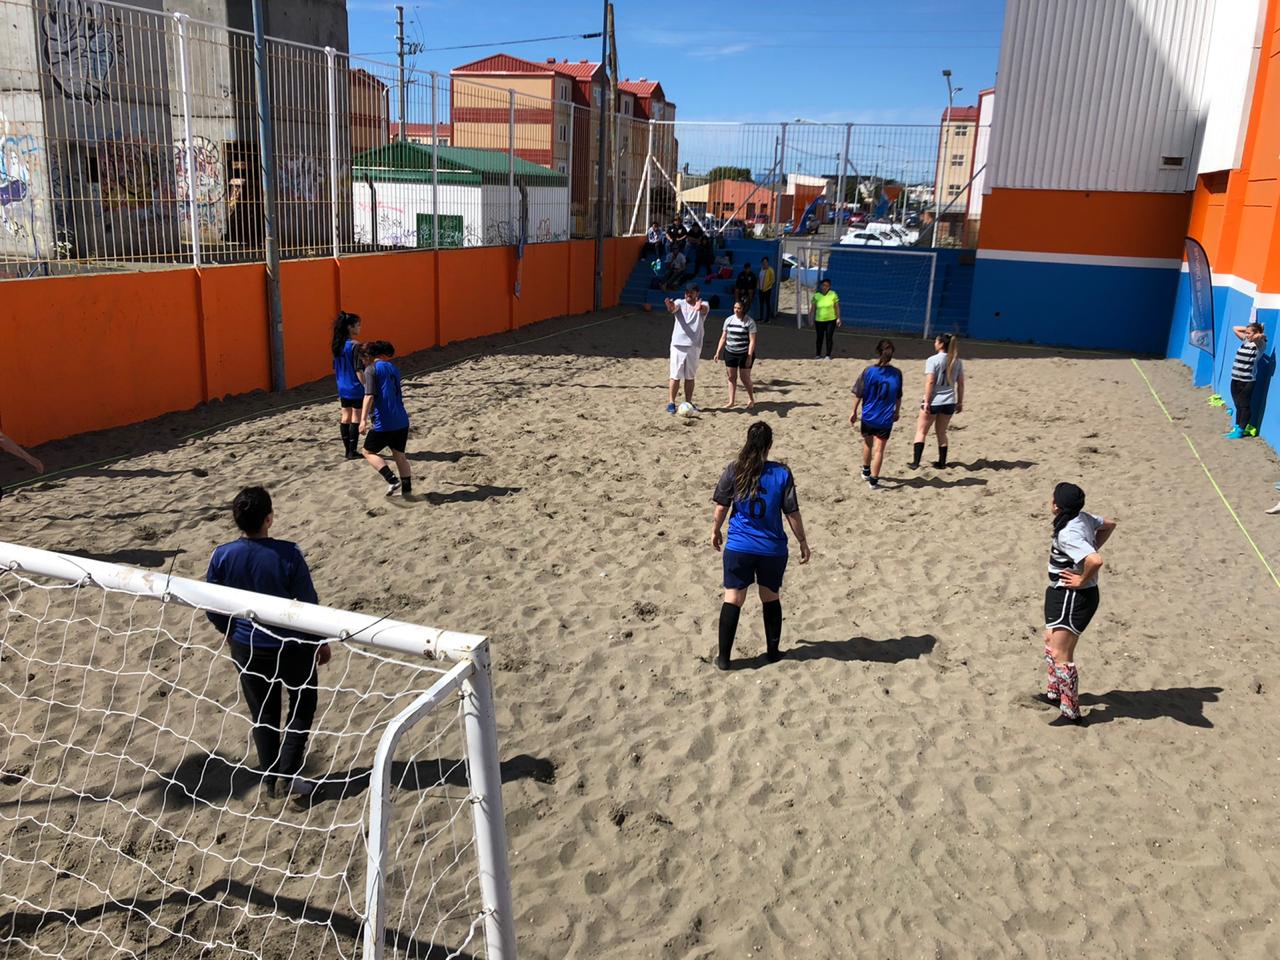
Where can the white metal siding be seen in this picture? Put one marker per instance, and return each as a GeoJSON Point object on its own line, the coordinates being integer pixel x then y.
{"type": "Point", "coordinates": [1233, 63]}
{"type": "Point", "coordinates": [1092, 93]}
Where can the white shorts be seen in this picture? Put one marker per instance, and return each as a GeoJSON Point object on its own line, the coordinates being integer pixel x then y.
{"type": "Point", "coordinates": [684, 362]}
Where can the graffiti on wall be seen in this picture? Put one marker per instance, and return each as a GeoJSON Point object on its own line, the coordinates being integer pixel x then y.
{"type": "Point", "coordinates": [81, 43]}
{"type": "Point", "coordinates": [207, 182]}
{"type": "Point", "coordinates": [19, 156]}
{"type": "Point", "coordinates": [133, 176]}
{"type": "Point", "coordinates": [301, 179]}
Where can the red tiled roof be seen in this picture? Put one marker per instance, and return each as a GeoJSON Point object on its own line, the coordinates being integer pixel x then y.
{"type": "Point", "coordinates": [583, 69]}
{"type": "Point", "coordinates": [960, 113]}
{"type": "Point", "coordinates": [641, 88]}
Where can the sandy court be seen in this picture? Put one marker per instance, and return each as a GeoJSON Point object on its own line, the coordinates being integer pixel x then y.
{"type": "Point", "coordinates": [887, 790]}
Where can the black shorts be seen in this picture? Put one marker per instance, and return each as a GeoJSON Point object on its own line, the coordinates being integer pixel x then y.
{"type": "Point", "coordinates": [1069, 609]}
{"type": "Point", "coordinates": [942, 409]}
{"type": "Point", "coordinates": [880, 432]}
{"type": "Point", "coordinates": [351, 403]}
{"type": "Point", "coordinates": [743, 360]}
{"type": "Point", "coordinates": [743, 569]}
{"type": "Point", "coordinates": [376, 440]}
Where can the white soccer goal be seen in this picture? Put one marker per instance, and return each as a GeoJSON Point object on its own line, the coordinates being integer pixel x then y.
{"type": "Point", "coordinates": [134, 823]}
{"type": "Point", "coordinates": [888, 289]}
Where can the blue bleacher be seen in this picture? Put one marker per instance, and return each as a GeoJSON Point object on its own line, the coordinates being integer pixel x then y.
{"type": "Point", "coordinates": [637, 290]}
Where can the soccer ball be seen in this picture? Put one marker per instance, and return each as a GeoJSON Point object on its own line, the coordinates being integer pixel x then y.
{"type": "Point", "coordinates": [686, 409]}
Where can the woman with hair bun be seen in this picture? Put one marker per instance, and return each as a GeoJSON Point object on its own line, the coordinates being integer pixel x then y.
{"type": "Point", "coordinates": [759, 492]}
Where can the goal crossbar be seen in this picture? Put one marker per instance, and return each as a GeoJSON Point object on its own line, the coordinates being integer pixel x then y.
{"type": "Point", "coordinates": [344, 625]}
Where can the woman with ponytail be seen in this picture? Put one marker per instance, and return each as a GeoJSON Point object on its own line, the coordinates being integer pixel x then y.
{"type": "Point", "coordinates": [1071, 599]}
{"type": "Point", "coordinates": [877, 394]}
{"type": "Point", "coordinates": [760, 492]}
{"type": "Point", "coordinates": [943, 396]}
{"type": "Point", "coordinates": [346, 370]}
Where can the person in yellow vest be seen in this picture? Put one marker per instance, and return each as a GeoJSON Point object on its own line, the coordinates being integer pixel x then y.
{"type": "Point", "coordinates": [765, 282]}
{"type": "Point", "coordinates": [826, 317]}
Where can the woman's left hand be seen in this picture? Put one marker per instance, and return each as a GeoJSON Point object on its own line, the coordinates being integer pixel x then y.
{"type": "Point", "coordinates": [717, 540]}
{"type": "Point", "coordinates": [323, 654]}
{"type": "Point", "coordinates": [1070, 579]}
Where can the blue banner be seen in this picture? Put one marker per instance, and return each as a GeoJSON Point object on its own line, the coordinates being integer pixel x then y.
{"type": "Point", "coordinates": [1200, 329]}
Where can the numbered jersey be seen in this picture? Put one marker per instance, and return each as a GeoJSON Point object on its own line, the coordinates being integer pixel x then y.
{"type": "Point", "coordinates": [880, 389]}
{"type": "Point", "coordinates": [755, 525]}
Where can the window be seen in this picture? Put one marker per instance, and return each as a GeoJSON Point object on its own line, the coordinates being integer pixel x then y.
{"type": "Point", "coordinates": [596, 94]}
{"type": "Point", "coordinates": [957, 159]}
{"type": "Point", "coordinates": [563, 133]}
{"type": "Point", "coordinates": [626, 107]}
{"type": "Point", "coordinates": [564, 91]}
{"type": "Point", "coordinates": [657, 111]}
{"type": "Point", "coordinates": [560, 168]}
{"type": "Point", "coordinates": [728, 208]}
{"type": "Point", "coordinates": [953, 190]}
{"type": "Point", "coordinates": [962, 131]}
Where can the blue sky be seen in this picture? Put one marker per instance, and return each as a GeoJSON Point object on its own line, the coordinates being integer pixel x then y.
{"type": "Point", "coordinates": [826, 60]}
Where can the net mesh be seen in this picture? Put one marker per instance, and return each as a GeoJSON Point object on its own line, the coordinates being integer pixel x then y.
{"type": "Point", "coordinates": [134, 821]}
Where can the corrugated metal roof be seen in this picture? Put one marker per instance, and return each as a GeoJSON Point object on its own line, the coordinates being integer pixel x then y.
{"type": "Point", "coordinates": [956, 114]}
{"type": "Point", "coordinates": [582, 70]}
{"type": "Point", "coordinates": [504, 63]}
{"type": "Point", "coordinates": [491, 166]}
{"type": "Point", "coordinates": [1093, 94]}
{"type": "Point", "coordinates": [642, 88]}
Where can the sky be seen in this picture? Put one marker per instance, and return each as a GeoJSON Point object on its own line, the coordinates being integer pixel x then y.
{"type": "Point", "coordinates": [832, 61]}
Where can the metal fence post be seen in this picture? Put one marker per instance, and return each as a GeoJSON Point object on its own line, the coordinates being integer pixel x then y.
{"type": "Point", "coordinates": [780, 184]}
{"type": "Point", "coordinates": [571, 178]}
{"type": "Point", "coordinates": [267, 159]}
{"type": "Point", "coordinates": [648, 194]}
{"type": "Point", "coordinates": [332, 64]}
{"type": "Point", "coordinates": [184, 76]}
{"type": "Point", "coordinates": [844, 163]}
{"type": "Point", "coordinates": [435, 169]}
{"type": "Point", "coordinates": [511, 162]}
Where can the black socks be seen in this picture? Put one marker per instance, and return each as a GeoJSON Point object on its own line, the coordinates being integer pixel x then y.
{"type": "Point", "coordinates": [728, 630]}
{"type": "Point", "coordinates": [387, 475]}
{"type": "Point", "coordinates": [917, 451]}
{"type": "Point", "coordinates": [350, 437]}
{"type": "Point", "coordinates": [773, 630]}
{"type": "Point", "coordinates": [942, 457]}
{"type": "Point", "coordinates": [406, 486]}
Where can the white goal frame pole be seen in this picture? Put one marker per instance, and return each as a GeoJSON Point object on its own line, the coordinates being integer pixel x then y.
{"type": "Point", "coordinates": [375, 914]}
{"type": "Point", "coordinates": [278, 612]}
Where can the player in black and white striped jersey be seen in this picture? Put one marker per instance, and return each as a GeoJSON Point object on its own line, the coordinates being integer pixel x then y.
{"type": "Point", "coordinates": [738, 348]}
{"type": "Point", "coordinates": [1071, 599]}
{"type": "Point", "coordinates": [1244, 373]}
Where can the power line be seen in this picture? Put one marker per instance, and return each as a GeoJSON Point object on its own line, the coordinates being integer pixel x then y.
{"type": "Point", "coordinates": [499, 43]}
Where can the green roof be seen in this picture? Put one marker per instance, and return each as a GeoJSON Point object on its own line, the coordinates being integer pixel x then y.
{"type": "Point", "coordinates": [404, 161]}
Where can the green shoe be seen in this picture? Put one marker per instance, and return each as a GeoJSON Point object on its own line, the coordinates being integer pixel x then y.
{"type": "Point", "coordinates": [1250, 431]}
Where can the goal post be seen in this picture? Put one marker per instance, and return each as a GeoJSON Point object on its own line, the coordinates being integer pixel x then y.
{"type": "Point", "coordinates": [128, 824]}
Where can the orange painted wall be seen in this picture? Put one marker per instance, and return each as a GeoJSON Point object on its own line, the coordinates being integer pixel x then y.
{"type": "Point", "coordinates": [1236, 216]}
{"type": "Point", "coordinates": [475, 292]}
{"type": "Point", "coordinates": [235, 329]}
{"type": "Point", "coordinates": [395, 298]}
{"type": "Point", "coordinates": [1095, 223]}
{"type": "Point", "coordinates": [125, 348]}
{"type": "Point", "coordinates": [85, 353]}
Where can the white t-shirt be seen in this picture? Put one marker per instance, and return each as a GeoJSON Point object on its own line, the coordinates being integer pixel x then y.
{"type": "Point", "coordinates": [1068, 550]}
{"type": "Point", "coordinates": [690, 325]}
{"type": "Point", "coordinates": [944, 389]}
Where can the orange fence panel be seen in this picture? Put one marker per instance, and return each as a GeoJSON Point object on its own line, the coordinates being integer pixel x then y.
{"type": "Point", "coordinates": [309, 291]}
{"type": "Point", "coordinates": [235, 329]}
{"type": "Point", "coordinates": [475, 292]}
{"type": "Point", "coordinates": [395, 296]}
{"type": "Point", "coordinates": [543, 293]}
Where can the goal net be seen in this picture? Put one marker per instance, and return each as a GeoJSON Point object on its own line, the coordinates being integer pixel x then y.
{"type": "Point", "coordinates": [881, 289]}
{"type": "Point", "coordinates": [135, 820]}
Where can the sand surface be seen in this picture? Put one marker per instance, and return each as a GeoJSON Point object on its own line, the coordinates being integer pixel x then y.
{"type": "Point", "coordinates": [889, 789]}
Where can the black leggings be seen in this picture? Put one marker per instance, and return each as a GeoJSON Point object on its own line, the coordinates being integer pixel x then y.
{"type": "Point", "coordinates": [826, 330]}
{"type": "Point", "coordinates": [265, 673]}
{"type": "Point", "coordinates": [1242, 397]}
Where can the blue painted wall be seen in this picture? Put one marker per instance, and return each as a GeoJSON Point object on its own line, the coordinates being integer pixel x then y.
{"type": "Point", "coordinates": [1231, 308]}
{"type": "Point", "coordinates": [1073, 305]}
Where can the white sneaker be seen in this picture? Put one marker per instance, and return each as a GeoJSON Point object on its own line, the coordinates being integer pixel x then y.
{"type": "Point", "coordinates": [393, 488]}
{"type": "Point", "coordinates": [1274, 510]}
{"type": "Point", "coordinates": [302, 787]}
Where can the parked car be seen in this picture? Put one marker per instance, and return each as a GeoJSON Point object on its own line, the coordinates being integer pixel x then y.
{"type": "Point", "coordinates": [860, 238]}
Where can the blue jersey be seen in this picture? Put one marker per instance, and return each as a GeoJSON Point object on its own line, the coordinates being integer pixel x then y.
{"type": "Point", "coordinates": [880, 389]}
{"type": "Point", "coordinates": [382, 382]}
{"type": "Point", "coordinates": [344, 371]}
{"type": "Point", "coordinates": [755, 526]}
{"type": "Point", "coordinates": [263, 565]}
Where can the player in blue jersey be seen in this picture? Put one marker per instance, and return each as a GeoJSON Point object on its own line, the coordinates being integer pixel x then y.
{"type": "Point", "coordinates": [346, 370]}
{"type": "Point", "coordinates": [877, 394]}
{"type": "Point", "coordinates": [760, 492]}
{"type": "Point", "coordinates": [270, 662]}
{"type": "Point", "coordinates": [383, 417]}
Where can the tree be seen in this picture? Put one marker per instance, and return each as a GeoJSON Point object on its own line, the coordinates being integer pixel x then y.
{"type": "Point", "coordinates": [728, 173]}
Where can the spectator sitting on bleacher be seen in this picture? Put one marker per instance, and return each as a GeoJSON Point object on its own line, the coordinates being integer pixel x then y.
{"type": "Point", "coordinates": [676, 231]}
{"type": "Point", "coordinates": [744, 288]}
{"type": "Point", "coordinates": [654, 242]}
{"type": "Point", "coordinates": [704, 259]}
{"type": "Point", "coordinates": [677, 270]}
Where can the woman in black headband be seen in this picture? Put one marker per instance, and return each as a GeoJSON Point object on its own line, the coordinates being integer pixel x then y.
{"type": "Point", "coordinates": [1071, 599]}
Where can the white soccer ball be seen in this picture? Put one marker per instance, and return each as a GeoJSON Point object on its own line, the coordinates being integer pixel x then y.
{"type": "Point", "coordinates": [686, 409]}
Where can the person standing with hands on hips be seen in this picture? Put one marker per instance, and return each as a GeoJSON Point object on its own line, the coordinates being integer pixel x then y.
{"type": "Point", "coordinates": [826, 317]}
{"type": "Point", "coordinates": [686, 342]}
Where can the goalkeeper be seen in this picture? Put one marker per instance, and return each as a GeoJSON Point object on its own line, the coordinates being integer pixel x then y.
{"type": "Point", "coordinates": [270, 662]}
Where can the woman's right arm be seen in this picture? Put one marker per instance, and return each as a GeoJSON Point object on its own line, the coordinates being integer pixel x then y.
{"type": "Point", "coordinates": [724, 337]}
{"type": "Point", "coordinates": [1105, 531]}
{"type": "Point", "coordinates": [797, 527]}
{"type": "Point", "coordinates": [717, 521]}
{"type": "Point", "coordinates": [1239, 332]}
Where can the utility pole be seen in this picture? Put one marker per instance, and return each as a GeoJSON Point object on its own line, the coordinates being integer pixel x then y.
{"type": "Point", "coordinates": [270, 207]}
{"type": "Point", "coordinates": [602, 154]}
{"type": "Point", "coordinates": [403, 49]}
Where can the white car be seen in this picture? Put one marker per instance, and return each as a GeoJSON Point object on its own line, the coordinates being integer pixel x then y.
{"type": "Point", "coordinates": [863, 238]}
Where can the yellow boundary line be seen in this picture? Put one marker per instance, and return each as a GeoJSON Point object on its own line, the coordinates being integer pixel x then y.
{"type": "Point", "coordinates": [1204, 466]}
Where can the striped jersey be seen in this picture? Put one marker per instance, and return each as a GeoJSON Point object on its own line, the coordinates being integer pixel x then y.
{"type": "Point", "coordinates": [1069, 548]}
{"type": "Point", "coordinates": [1245, 365]}
{"type": "Point", "coordinates": [738, 331]}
